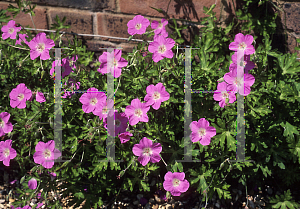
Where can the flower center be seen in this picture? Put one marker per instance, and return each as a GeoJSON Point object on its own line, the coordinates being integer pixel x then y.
{"type": "Point", "coordinates": [21, 97]}
{"type": "Point", "coordinates": [242, 46]}
{"type": "Point", "coordinates": [6, 152]}
{"type": "Point", "coordinates": [147, 151]}
{"type": "Point", "coordinates": [156, 95]}
{"type": "Point", "coordinates": [40, 47]}
{"type": "Point", "coordinates": [160, 25]}
{"type": "Point", "coordinates": [138, 26]}
{"type": "Point", "coordinates": [47, 153]}
{"type": "Point", "coordinates": [93, 101]}
{"type": "Point", "coordinates": [225, 94]}
{"type": "Point", "coordinates": [176, 182]}
{"type": "Point", "coordinates": [11, 30]}
{"type": "Point", "coordinates": [118, 123]}
{"type": "Point", "coordinates": [162, 49]}
{"type": "Point", "coordinates": [238, 81]}
{"type": "Point", "coordinates": [138, 112]}
{"type": "Point", "coordinates": [202, 131]}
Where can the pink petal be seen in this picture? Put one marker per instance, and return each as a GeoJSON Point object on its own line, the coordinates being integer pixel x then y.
{"type": "Point", "coordinates": [143, 159]}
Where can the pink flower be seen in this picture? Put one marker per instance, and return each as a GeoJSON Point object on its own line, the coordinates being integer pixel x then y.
{"type": "Point", "coordinates": [120, 123]}
{"type": "Point", "coordinates": [66, 66]}
{"type": "Point", "coordinates": [68, 93]}
{"type": "Point", "coordinates": [40, 97]}
{"type": "Point", "coordinates": [165, 35]}
{"type": "Point", "coordinates": [247, 64]}
{"type": "Point", "coordinates": [40, 46]}
{"type": "Point", "coordinates": [125, 137]}
{"type": "Point", "coordinates": [46, 153]}
{"type": "Point", "coordinates": [160, 27]}
{"type": "Point", "coordinates": [138, 25]}
{"type": "Point", "coordinates": [137, 111]}
{"type": "Point", "coordinates": [19, 95]}
{"type": "Point", "coordinates": [242, 42]}
{"type": "Point", "coordinates": [39, 205]}
{"type": "Point", "coordinates": [32, 183]}
{"type": "Point", "coordinates": [52, 175]}
{"type": "Point", "coordinates": [6, 152]}
{"type": "Point", "coordinates": [221, 94]}
{"type": "Point", "coordinates": [161, 47]}
{"type": "Point", "coordinates": [92, 100]}
{"type": "Point", "coordinates": [5, 126]}
{"type": "Point", "coordinates": [118, 63]}
{"type": "Point", "coordinates": [103, 109]}
{"type": "Point", "coordinates": [239, 83]}
{"type": "Point", "coordinates": [202, 131]}
{"type": "Point", "coordinates": [25, 207]}
{"type": "Point", "coordinates": [175, 183]}
{"type": "Point", "coordinates": [156, 95]}
{"type": "Point", "coordinates": [10, 30]}
{"type": "Point", "coordinates": [22, 37]}
{"type": "Point", "coordinates": [147, 151]}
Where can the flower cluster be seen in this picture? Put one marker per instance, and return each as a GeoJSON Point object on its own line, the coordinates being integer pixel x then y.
{"type": "Point", "coordinates": [97, 102]}
{"type": "Point", "coordinates": [237, 80]}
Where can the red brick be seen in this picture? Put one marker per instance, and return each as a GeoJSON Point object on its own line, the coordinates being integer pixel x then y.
{"type": "Point", "coordinates": [81, 22]}
{"type": "Point", "coordinates": [292, 16]}
{"type": "Point", "coordinates": [192, 9]}
{"type": "Point", "coordinates": [93, 5]}
{"type": "Point", "coordinates": [40, 18]}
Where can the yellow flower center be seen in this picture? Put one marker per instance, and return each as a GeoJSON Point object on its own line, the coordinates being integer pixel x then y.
{"type": "Point", "coordinates": [40, 47]}
{"type": "Point", "coordinates": [147, 151]}
{"type": "Point", "coordinates": [160, 25]}
{"type": "Point", "coordinates": [162, 49]}
{"type": "Point", "coordinates": [11, 30]}
{"type": "Point", "coordinates": [242, 46]}
{"type": "Point", "coordinates": [176, 182]}
{"type": "Point", "coordinates": [21, 97]}
{"type": "Point", "coordinates": [156, 95]}
{"type": "Point", "coordinates": [6, 152]}
{"type": "Point", "coordinates": [138, 112]}
{"type": "Point", "coordinates": [93, 101]}
{"type": "Point", "coordinates": [47, 153]}
{"type": "Point", "coordinates": [138, 26]}
{"type": "Point", "coordinates": [202, 131]}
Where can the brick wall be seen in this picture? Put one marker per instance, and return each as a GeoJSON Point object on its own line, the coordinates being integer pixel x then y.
{"type": "Point", "coordinates": [110, 17]}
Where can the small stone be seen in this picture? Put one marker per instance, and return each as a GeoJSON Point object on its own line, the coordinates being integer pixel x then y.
{"type": "Point", "coordinates": [172, 201]}
{"type": "Point", "coordinates": [139, 196]}
{"type": "Point", "coordinates": [147, 206]}
{"type": "Point", "coordinates": [136, 202]}
{"type": "Point", "coordinates": [168, 206]}
{"type": "Point", "coordinates": [152, 201]}
{"type": "Point", "coordinates": [155, 206]}
{"type": "Point", "coordinates": [2, 201]}
{"type": "Point", "coordinates": [217, 205]}
{"type": "Point", "coordinates": [126, 199]}
{"type": "Point", "coordinates": [270, 191]}
{"type": "Point", "coordinates": [152, 183]}
{"type": "Point", "coordinates": [251, 204]}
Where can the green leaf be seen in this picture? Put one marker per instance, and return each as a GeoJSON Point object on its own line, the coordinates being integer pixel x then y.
{"type": "Point", "coordinates": [79, 195]}
{"type": "Point", "coordinates": [289, 129]}
{"type": "Point", "coordinates": [145, 186]}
